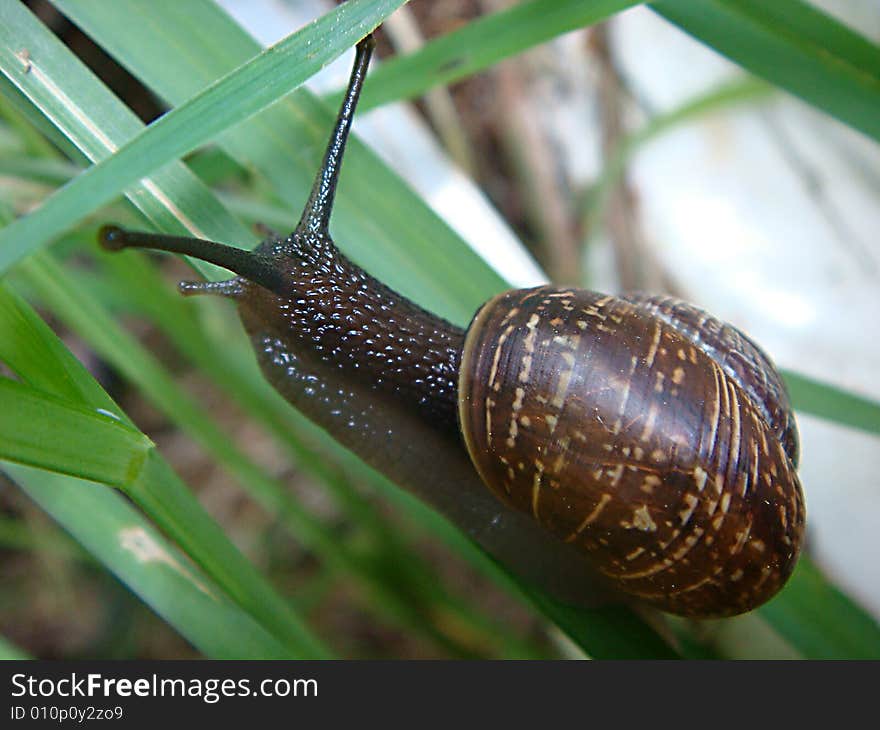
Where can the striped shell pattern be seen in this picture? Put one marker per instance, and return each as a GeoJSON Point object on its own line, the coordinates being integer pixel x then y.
{"type": "Point", "coordinates": [656, 438]}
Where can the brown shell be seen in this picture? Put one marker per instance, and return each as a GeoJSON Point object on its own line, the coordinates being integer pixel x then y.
{"type": "Point", "coordinates": [651, 435]}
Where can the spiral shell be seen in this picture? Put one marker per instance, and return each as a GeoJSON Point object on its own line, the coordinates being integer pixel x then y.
{"type": "Point", "coordinates": [654, 437]}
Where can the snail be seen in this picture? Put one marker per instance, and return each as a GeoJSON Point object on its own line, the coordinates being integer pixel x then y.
{"type": "Point", "coordinates": [631, 446]}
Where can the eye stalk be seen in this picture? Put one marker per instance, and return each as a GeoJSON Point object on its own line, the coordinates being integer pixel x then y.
{"type": "Point", "coordinates": [313, 227]}
{"type": "Point", "coordinates": [250, 265]}
{"type": "Point", "coordinates": [316, 215]}
{"type": "Point", "coordinates": [112, 238]}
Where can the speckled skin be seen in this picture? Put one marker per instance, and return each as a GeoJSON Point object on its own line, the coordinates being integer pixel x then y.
{"type": "Point", "coordinates": [354, 324]}
{"type": "Point", "coordinates": [656, 438]}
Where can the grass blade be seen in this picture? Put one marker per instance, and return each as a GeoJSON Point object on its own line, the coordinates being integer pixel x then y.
{"type": "Point", "coordinates": [482, 43]}
{"type": "Point", "coordinates": [97, 124]}
{"type": "Point", "coordinates": [795, 46]}
{"type": "Point", "coordinates": [242, 93]}
{"type": "Point", "coordinates": [45, 361]}
{"type": "Point", "coordinates": [832, 403]}
{"type": "Point", "coordinates": [812, 615]}
{"type": "Point", "coordinates": [122, 540]}
{"type": "Point", "coordinates": [8, 650]}
{"type": "Point", "coordinates": [47, 432]}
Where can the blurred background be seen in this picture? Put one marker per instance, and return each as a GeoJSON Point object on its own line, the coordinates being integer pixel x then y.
{"type": "Point", "coordinates": [625, 156]}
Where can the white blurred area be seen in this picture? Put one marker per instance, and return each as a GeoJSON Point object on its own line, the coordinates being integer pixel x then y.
{"type": "Point", "coordinates": [767, 214]}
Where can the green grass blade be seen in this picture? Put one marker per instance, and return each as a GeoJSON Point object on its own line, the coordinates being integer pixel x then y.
{"type": "Point", "coordinates": [97, 124]}
{"type": "Point", "coordinates": [795, 46]}
{"type": "Point", "coordinates": [122, 540]}
{"type": "Point", "coordinates": [377, 219]}
{"type": "Point", "coordinates": [41, 430]}
{"type": "Point", "coordinates": [42, 137]}
{"type": "Point", "coordinates": [609, 632]}
{"type": "Point", "coordinates": [820, 621]}
{"type": "Point", "coordinates": [37, 357]}
{"type": "Point", "coordinates": [154, 486]}
{"type": "Point", "coordinates": [236, 97]}
{"type": "Point", "coordinates": [482, 43]}
{"type": "Point", "coordinates": [832, 403]}
{"type": "Point", "coordinates": [8, 650]}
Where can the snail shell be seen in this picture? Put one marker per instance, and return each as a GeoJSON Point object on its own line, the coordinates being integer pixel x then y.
{"type": "Point", "coordinates": [655, 438]}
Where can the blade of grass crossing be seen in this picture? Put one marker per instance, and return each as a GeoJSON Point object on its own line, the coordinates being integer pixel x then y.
{"type": "Point", "coordinates": [242, 93]}
{"type": "Point", "coordinates": [45, 431]}
{"type": "Point", "coordinates": [377, 219]}
{"type": "Point", "coordinates": [9, 651]}
{"type": "Point", "coordinates": [821, 621]}
{"type": "Point", "coordinates": [795, 46]}
{"type": "Point", "coordinates": [481, 44]}
{"type": "Point", "coordinates": [112, 530]}
{"type": "Point", "coordinates": [49, 366]}
{"type": "Point", "coordinates": [833, 403]}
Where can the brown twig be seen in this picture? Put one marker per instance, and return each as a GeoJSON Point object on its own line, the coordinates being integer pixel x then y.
{"type": "Point", "coordinates": [547, 196]}
{"type": "Point", "coordinates": [636, 266]}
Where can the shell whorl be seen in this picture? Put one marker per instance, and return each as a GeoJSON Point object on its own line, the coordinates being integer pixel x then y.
{"type": "Point", "coordinates": [651, 435]}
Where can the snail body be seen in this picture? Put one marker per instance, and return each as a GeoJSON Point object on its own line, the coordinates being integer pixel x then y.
{"type": "Point", "coordinates": [631, 446]}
